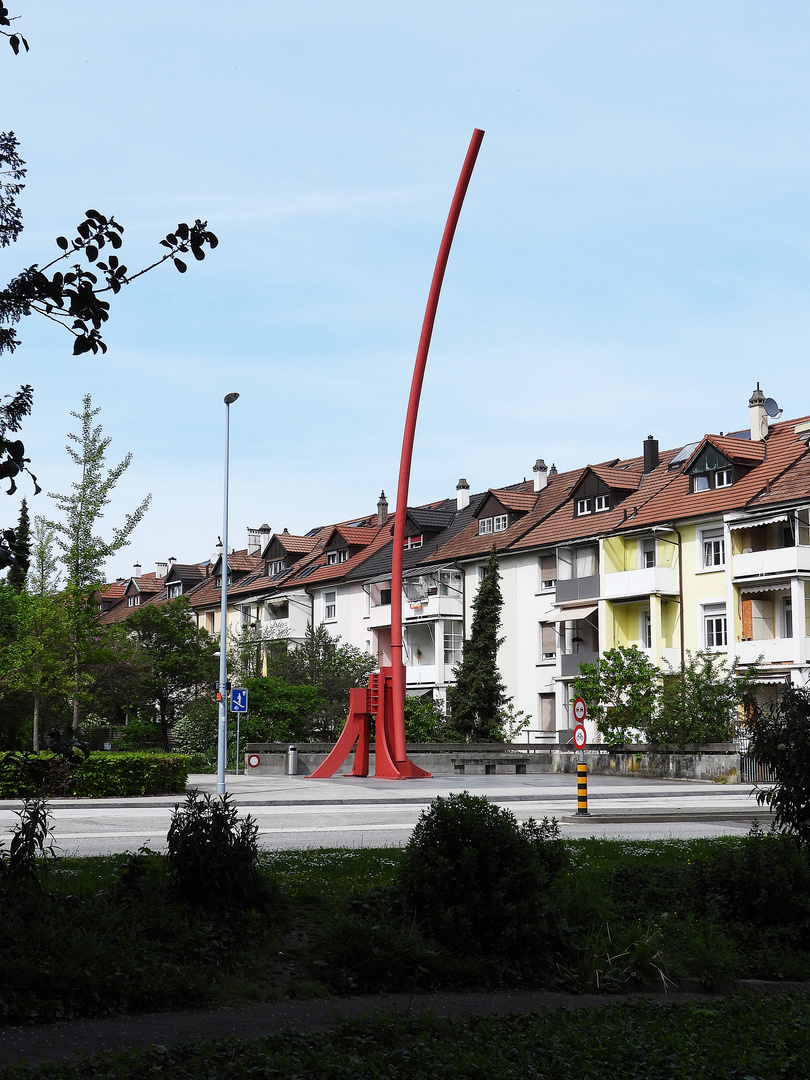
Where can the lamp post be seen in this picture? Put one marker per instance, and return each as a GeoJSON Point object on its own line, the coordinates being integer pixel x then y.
{"type": "Point", "coordinates": [222, 735]}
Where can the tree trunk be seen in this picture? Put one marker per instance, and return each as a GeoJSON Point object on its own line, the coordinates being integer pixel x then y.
{"type": "Point", "coordinates": [37, 697]}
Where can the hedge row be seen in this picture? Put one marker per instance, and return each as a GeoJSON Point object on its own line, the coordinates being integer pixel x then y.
{"type": "Point", "coordinates": [102, 774]}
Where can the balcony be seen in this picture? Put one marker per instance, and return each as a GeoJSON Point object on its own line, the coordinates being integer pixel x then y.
{"type": "Point", "coordinates": [626, 584]}
{"type": "Point", "coordinates": [786, 560]}
{"type": "Point", "coordinates": [432, 607]}
{"type": "Point", "coordinates": [766, 650]}
{"type": "Point", "coordinates": [571, 661]}
{"type": "Point", "coordinates": [421, 674]}
{"type": "Point", "coordinates": [582, 588]}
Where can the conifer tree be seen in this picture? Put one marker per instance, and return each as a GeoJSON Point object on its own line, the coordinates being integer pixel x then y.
{"type": "Point", "coordinates": [478, 699]}
{"type": "Point", "coordinates": [22, 550]}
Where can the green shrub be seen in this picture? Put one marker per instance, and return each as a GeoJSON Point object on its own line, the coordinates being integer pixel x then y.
{"type": "Point", "coordinates": [196, 731]}
{"type": "Point", "coordinates": [141, 735]}
{"type": "Point", "coordinates": [21, 865]}
{"type": "Point", "coordinates": [477, 880]}
{"type": "Point", "coordinates": [116, 775]}
{"type": "Point", "coordinates": [213, 855]}
{"type": "Point", "coordinates": [781, 741]}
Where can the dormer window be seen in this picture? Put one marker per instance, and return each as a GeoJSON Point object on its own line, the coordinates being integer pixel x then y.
{"type": "Point", "coordinates": [341, 555]}
{"type": "Point", "coordinates": [275, 567]}
{"type": "Point", "coordinates": [485, 526]}
{"type": "Point", "coordinates": [601, 502]}
{"type": "Point", "coordinates": [174, 590]}
{"type": "Point", "coordinates": [498, 523]}
{"type": "Point", "coordinates": [583, 507]}
{"type": "Point", "coordinates": [412, 542]}
{"type": "Point", "coordinates": [134, 601]}
{"type": "Point", "coordinates": [710, 470]}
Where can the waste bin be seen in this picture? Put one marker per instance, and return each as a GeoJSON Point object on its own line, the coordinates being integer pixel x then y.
{"type": "Point", "coordinates": [292, 761]}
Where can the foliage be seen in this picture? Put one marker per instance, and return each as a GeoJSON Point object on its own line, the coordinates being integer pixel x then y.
{"type": "Point", "coordinates": [279, 712]}
{"type": "Point", "coordinates": [475, 879]}
{"type": "Point", "coordinates": [212, 858]}
{"type": "Point", "coordinates": [196, 730]}
{"type": "Point", "coordinates": [180, 664]}
{"type": "Point", "coordinates": [21, 864]}
{"type": "Point", "coordinates": [781, 741]}
{"type": "Point", "coordinates": [248, 650]}
{"type": "Point", "coordinates": [478, 700]}
{"type": "Point", "coordinates": [425, 722]}
{"type": "Point", "coordinates": [100, 774]}
{"type": "Point", "coordinates": [620, 689]}
{"type": "Point", "coordinates": [22, 550]}
{"type": "Point", "coordinates": [699, 702]}
{"type": "Point", "coordinates": [141, 735]}
{"type": "Point", "coordinates": [321, 661]}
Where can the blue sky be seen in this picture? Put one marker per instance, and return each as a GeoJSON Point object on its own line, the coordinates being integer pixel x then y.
{"type": "Point", "coordinates": [633, 254]}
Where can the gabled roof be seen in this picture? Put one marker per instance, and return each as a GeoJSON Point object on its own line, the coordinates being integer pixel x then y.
{"type": "Point", "coordinates": [624, 479]}
{"type": "Point", "coordinates": [354, 535]}
{"type": "Point", "coordinates": [521, 501]}
{"type": "Point", "coordinates": [295, 545]}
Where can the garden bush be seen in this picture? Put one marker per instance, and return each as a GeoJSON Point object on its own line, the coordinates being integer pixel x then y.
{"type": "Point", "coordinates": [100, 775]}
{"type": "Point", "coordinates": [213, 855]}
{"type": "Point", "coordinates": [477, 880]}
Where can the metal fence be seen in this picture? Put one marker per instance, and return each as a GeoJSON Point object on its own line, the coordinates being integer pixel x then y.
{"type": "Point", "coordinates": [755, 772]}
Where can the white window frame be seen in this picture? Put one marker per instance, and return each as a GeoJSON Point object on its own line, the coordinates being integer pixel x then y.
{"type": "Point", "coordinates": [701, 482]}
{"type": "Point", "coordinates": [454, 635]}
{"type": "Point", "coordinates": [601, 503]}
{"type": "Point", "coordinates": [484, 526]}
{"type": "Point", "coordinates": [500, 523]}
{"type": "Point", "coordinates": [713, 548]}
{"type": "Point", "coordinates": [583, 507]}
{"type": "Point", "coordinates": [414, 541]}
{"type": "Point", "coordinates": [330, 606]}
{"type": "Point", "coordinates": [545, 656]}
{"type": "Point", "coordinates": [649, 553]}
{"type": "Point", "coordinates": [715, 627]}
{"type": "Point", "coordinates": [337, 555]}
{"type": "Point", "coordinates": [723, 478]}
{"type": "Point", "coordinates": [174, 589]}
{"type": "Point", "coordinates": [645, 628]}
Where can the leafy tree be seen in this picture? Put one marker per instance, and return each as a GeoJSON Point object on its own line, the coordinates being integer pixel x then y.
{"type": "Point", "coordinates": [621, 692]}
{"type": "Point", "coordinates": [83, 551]}
{"type": "Point", "coordinates": [478, 702]}
{"type": "Point", "coordinates": [279, 712]}
{"type": "Point", "coordinates": [321, 661]}
{"type": "Point", "coordinates": [181, 662]}
{"type": "Point", "coordinates": [69, 290]}
{"type": "Point", "coordinates": [37, 659]}
{"type": "Point", "coordinates": [22, 550]}
{"type": "Point", "coordinates": [425, 722]}
{"type": "Point", "coordinates": [700, 701]}
{"type": "Point", "coordinates": [248, 650]}
{"type": "Point", "coordinates": [781, 740]}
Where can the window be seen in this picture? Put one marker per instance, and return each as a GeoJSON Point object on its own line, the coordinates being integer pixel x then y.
{"type": "Point", "coordinates": [645, 630]}
{"type": "Point", "coordinates": [449, 583]}
{"type": "Point", "coordinates": [647, 553]}
{"type": "Point", "coordinates": [131, 601]}
{"type": "Point", "coordinates": [583, 507]}
{"type": "Point", "coordinates": [174, 590]}
{"type": "Point", "coordinates": [275, 567]}
{"type": "Point", "coordinates": [548, 641]}
{"type": "Point", "coordinates": [714, 548]}
{"type": "Point", "coordinates": [714, 626]}
{"type": "Point", "coordinates": [338, 556]}
{"type": "Point", "coordinates": [481, 572]}
{"type": "Point", "coordinates": [548, 571]}
{"type": "Point", "coordinates": [601, 502]}
{"type": "Point", "coordinates": [710, 470]}
{"type": "Point", "coordinates": [787, 617]}
{"type": "Point", "coordinates": [500, 523]}
{"type": "Point", "coordinates": [329, 606]}
{"type": "Point", "coordinates": [722, 478]}
{"type": "Point", "coordinates": [484, 526]}
{"type": "Point", "coordinates": [700, 483]}
{"type": "Point", "coordinates": [278, 609]}
{"type": "Point", "coordinates": [586, 562]}
{"type": "Point", "coordinates": [453, 642]}
{"type": "Point", "coordinates": [547, 721]}
{"type": "Point", "coordinates": [412, 542]}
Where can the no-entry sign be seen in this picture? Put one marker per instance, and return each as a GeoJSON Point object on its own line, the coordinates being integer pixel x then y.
{"type": "Point", "coordinates": [580, 737]}
{"type": "Point", "coordinates": [579, 709]}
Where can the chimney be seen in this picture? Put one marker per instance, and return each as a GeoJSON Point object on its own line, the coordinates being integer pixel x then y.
{"type": "Point", "coordinates": [172, 561]}
{"type": "Point", "coordinates": [540, 474]}
{"type": "Point", "coordinates": [161, 569]}
{"type": "Point", "coordinates": [217, 551]}
{"type": "Point", "coordinates": [382, 510]}
{"type": "Point", "coordinates": [462, 494]}
{"type": "Point", "coordinates": [253, 541]}
{"type": "Point", "coordinates": [264, 536]}
{"type": "Point", "coordinates": [136, 570]}
{"type": "Point", "coordinates": [650, 454]}
{"type": "Point", "coordinates": [758, 416]}
{"type": "Point", "coordinates": [552, 471]}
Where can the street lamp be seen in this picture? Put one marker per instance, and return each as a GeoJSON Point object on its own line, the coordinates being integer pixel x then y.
{"type": "Point", "coordinates": [222, 734]}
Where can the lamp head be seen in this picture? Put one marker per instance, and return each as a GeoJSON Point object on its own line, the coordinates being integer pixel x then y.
{"type": "Point", "coordinates": [230, 398]}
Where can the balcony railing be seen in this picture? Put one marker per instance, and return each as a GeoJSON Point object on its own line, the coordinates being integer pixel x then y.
{"type": "Point", "coordinates": [786, 560]}
{"type": "Point", "coordinates": [770, 650]}
{"type": "Point", "coordinates": [432, 607]}
{"type": "Point", "coordinates": [581, 588]}
{"type": "Point", "coordinates": [571, 661]}
{"type": "Point", "coordinates": [625, 584]}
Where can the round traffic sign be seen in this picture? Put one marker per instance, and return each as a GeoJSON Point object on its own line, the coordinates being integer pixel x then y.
{"type": "Point", "coordinates": [580, 737]}
{"type": "Point", "coordinates": [579, 709]}
{"type": "Point", "coordinates": [254, 760]}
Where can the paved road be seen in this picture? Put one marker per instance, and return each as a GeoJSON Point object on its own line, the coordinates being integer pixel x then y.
{"type": "Point", "coordinates": [293, 812]}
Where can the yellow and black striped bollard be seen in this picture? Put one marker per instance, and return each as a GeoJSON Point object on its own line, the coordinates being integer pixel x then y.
{"type": "Point", "coordinates": [582, 783]}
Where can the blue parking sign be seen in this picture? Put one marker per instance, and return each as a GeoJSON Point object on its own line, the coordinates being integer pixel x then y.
{"type": "Point", "coordinates": [239, 700]}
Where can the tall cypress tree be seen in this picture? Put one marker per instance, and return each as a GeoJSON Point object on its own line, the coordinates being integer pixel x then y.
{"type": "Point", "coordinates": [22, 551]}
{"type": "Point", "coordinates": [478, 698]}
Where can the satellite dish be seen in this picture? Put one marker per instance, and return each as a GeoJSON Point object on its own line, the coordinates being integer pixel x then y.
{"type": "Point", "coordinates": [771, 408]}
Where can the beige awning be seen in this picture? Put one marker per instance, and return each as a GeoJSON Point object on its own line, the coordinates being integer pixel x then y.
{"type": "Point", "coordinates": [572, 614]}
{"type": "Point", "coordinates": [782, 587]}
{"type": "Point", "coordinates": [753, 523]}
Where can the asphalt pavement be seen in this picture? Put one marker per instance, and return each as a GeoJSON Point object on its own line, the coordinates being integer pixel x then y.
{"type": "Point", "coordinates": [296, 812]}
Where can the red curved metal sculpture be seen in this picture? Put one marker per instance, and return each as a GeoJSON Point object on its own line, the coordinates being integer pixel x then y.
{"type": "Point", "coordinates": [386, 690]}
